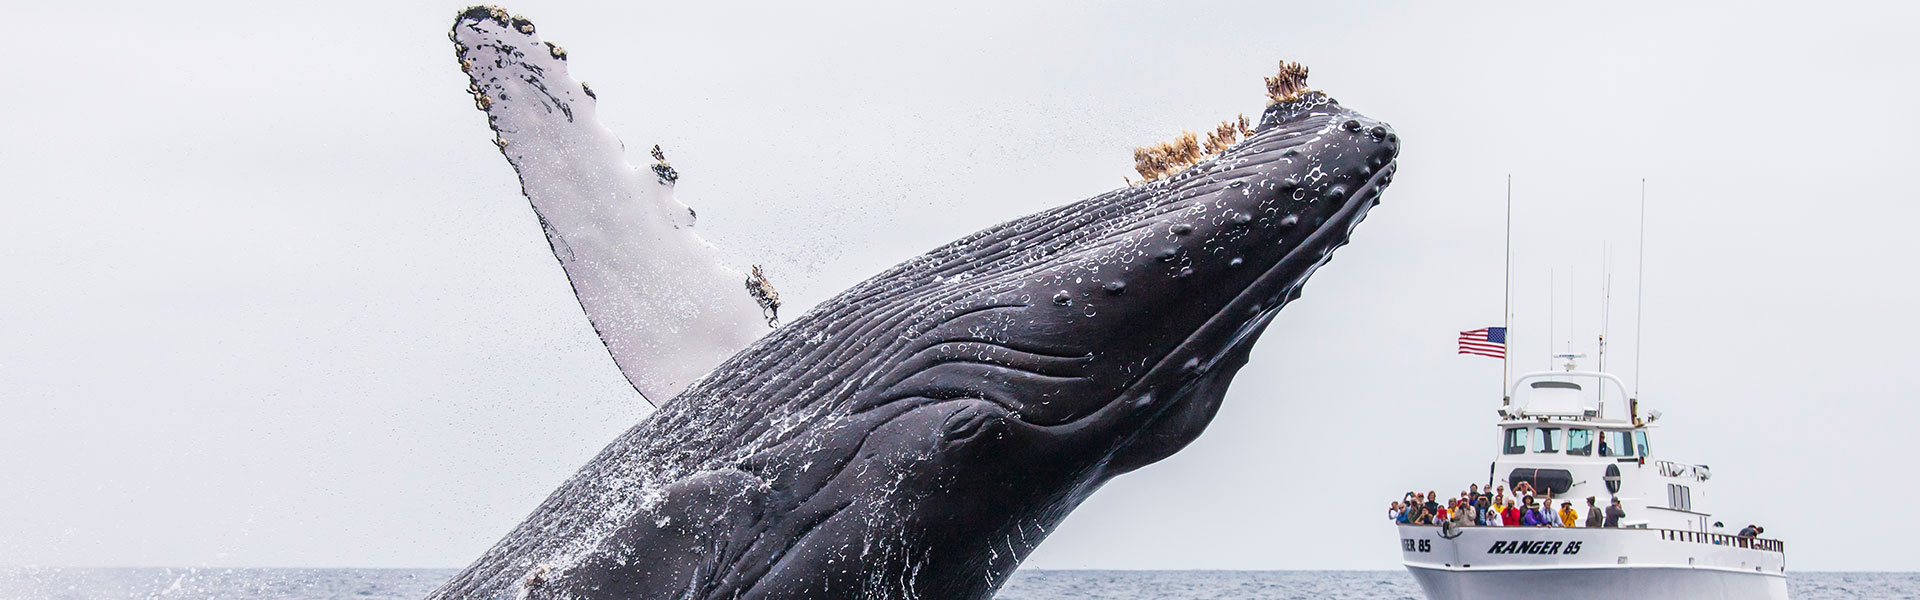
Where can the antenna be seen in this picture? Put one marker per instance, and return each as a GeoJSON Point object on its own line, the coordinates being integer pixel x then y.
{"type": "Point", "coordinates": [1606, 301]}
{"type": "Point", "coordinates": [1551, 322]}
{"type": "Point", "coordinates": [1606, 309]}
{"type": "Point", "coordinates": [1506, 297]}
{"type": "Point", "coordinates": [1572, 307]}
{"type": "Point", "coordinates": [1640, 288]}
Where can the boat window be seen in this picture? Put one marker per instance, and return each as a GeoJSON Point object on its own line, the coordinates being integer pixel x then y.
{"type": "Point", "coordinates": [1516, 441]}
{"type": "Point", "coordinates": [1615, 443]}
{"type": "Point", "coordinates": [1640, 442]}
{"type": "Point", "coordinates": [1679, 497]}
{"type": "Point", "coordinates": [1546, 439]}
{"type": "Point", "coordinates": [1580, 442]}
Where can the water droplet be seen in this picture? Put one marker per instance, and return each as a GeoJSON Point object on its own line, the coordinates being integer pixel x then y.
{"type": "Point", "coordinates": [1338, 191]}
{"type": "Point", "coordinates": [1193, 364]}
{"type": "Point", "coordinates": [1089, 311]}
{"type": "Point", "coordinates": [1063, 298]}
{"type": "Point", "coordinates": [1237, 185]}
{"type": "Point", "coordinates": [1240, 218]}
{"type": "Point", "coordinates": [1167, 254]}
{"type": "Point", "coordinates": [1289, 220]}
{"type": "Point", "coordinates": [1350, 125]}
{"type": "Point", "coordinates": [1379, 133]}
{"type": "Point", "coordinates": [1184, 273]}
{"type": "Point", "coordinates": [1235, 262]}
{"type": "Point", "coordinates": [1115, 287]}
{"type": "Point", "coordinates": [1182, 229]}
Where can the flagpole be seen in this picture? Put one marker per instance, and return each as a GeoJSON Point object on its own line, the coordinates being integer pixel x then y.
{"type": "Point", "coordinates": [1506, 298]}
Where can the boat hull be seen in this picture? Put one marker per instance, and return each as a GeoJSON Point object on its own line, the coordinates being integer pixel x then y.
{"type": "Point", "coordinates": [1577, 563]}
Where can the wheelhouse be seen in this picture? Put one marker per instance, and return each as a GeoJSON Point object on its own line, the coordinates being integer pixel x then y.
{"type": "Point", "coordinates": [1577, 434]}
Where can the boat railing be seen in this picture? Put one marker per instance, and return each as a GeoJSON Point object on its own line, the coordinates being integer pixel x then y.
{"type": "Point", "coordinates": [1677, 535]}
{"type": "Point", "coordinates": [1721, 539]}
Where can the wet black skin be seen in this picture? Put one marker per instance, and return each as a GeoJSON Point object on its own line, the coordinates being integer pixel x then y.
{"type": "Point", "coordinates": [920, 434]}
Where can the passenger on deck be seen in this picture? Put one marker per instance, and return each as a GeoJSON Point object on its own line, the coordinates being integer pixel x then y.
{"type": "Point", "coordinates": [1614, 513]}
{"type": "Point", "coordinates": [1480, 511]}
{"type": "Point", "coordinates": [1396, 513]}
{"type": "Point", "coordinates": [1568, 517]}
{"type": "Point", "coordinates": [1463, 514]}
{"type": "Point", "coordinates": [1495, 514]}
{"type": "Point", "coordinates": [1594, 518]}
{"type": "Point", "coordinates": [1511, 515]}
{"type": "Point", "coordinates": [1533, 517]}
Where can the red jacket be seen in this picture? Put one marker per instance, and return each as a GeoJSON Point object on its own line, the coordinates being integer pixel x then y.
{"type": "Point", "coordinates": [1510, 517]}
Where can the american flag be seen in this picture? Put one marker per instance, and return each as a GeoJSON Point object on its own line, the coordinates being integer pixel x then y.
{"type": "Point", "coordinates": [1486, 341]}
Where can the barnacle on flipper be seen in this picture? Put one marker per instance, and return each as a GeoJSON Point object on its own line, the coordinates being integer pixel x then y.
{"type": "Point", "coordinates": [764, 294]}
{"type": "Point", "coordinates": [661, 169]}
{"type": "Point", "coordinates": [489, 12]}
{"type": "Point", "coordinates": [1166, 158]}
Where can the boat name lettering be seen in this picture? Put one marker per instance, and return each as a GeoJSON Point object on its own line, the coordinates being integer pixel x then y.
{"type": "Point", "coordinates": [1505, 547]}
{"type": "Point", "coordinates": [1410, 545]}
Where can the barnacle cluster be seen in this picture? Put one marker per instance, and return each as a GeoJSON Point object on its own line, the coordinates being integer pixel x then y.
{"type": "Point", "coordinates": [504, 19]}
{"type": "Point", "coordinates": [661, 169]}
{"type": "Point", "coordinates": [1166, 158]}
{"type": "Point", "coordinates": [763, 293]}
{"type": "Point", "coordinates": [1289, 84]}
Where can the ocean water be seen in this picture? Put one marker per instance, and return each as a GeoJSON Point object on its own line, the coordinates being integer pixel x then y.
{"type": "Point", "coordinates": [396, 584]}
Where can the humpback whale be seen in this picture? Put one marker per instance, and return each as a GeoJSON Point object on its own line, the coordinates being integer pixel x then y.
{"type": "Point", "coordinates": [919, 434]}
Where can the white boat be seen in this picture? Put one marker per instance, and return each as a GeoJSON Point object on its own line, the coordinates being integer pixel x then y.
{"type": "Point", "coordinates": [1566, 431]}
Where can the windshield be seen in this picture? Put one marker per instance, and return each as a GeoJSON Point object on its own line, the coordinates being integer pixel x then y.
{"type": "Point", "coordinates": [1546, 439]}
{"type": "Point", "coordinates": [1615, 443]}
{"type": "Point", "coordinates": [1516, 441]}
{"type": "Point", "coordinates": [1579, 442]}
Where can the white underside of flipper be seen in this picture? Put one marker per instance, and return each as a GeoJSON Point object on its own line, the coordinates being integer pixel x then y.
{"type": "Point", "coordinates": [666, 305]}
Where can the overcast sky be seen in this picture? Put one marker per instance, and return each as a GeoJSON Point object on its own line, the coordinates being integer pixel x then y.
{"type": "Point", "coordinates": [269, 297]}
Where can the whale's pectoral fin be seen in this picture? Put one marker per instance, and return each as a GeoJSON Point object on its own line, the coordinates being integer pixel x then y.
{"type": "Point", "coordinates": [662, 300]}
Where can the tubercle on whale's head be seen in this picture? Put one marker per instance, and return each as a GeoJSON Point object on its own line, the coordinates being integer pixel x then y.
{"type": "Point", "coordinates": [1173, 275]}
